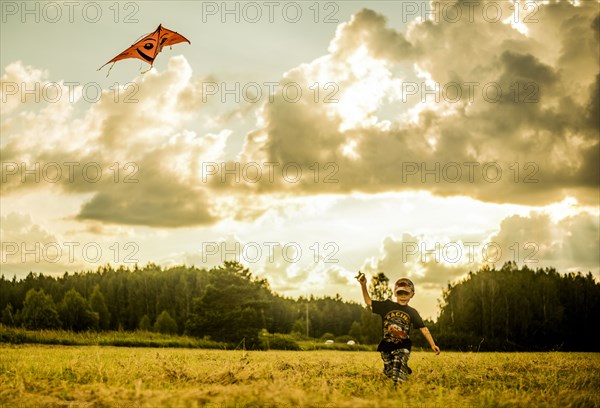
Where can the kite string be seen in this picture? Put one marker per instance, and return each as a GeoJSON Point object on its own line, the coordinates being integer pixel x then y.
{"type": "Point", "coordinates": [139, 38]}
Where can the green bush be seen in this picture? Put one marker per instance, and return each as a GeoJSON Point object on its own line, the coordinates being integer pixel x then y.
{"type": "Point", "coordinates": [165, 323]}
{"type": "Point", "coordinates": [13, 336]}
{"type": "Point", "coordinates": [278, 341]}
{"type": "Point", "coordinates": [327, 336]}
{"type": "Point", "coordinates": [124, 339]}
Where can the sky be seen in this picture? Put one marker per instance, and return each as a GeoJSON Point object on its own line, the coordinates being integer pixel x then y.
{"type": "Point", "coordinates": [308, 140]}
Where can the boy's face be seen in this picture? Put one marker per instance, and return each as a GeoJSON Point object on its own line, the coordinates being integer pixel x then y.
{"type": "Point", "coordinates": [403, 292]}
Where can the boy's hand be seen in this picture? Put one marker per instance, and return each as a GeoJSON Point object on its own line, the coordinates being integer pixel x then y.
{"type": "Point", "coordinates": [361, 278]}
{"type": "Point", "coordinates": [363, 285]}
{"type": "Point", "coordinates": [436, 349]}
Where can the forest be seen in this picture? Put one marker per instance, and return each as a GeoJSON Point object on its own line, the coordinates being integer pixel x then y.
{"type": "Point", "coordinates": [508, 309]}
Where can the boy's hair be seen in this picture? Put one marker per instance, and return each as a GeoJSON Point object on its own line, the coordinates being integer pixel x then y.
{"type": "Point", "coordinates": [407, 281]}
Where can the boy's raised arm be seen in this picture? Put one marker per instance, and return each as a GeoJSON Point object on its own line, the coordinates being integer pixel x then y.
{"type": "Point", "coordinates": [363, 285]}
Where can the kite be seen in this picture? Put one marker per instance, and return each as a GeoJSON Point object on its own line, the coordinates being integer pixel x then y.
{"type": "Point", "coordinates": [148, 48]}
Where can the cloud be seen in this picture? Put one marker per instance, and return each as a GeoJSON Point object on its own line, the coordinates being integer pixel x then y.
{"type": "Point", "coordinates": [30, 247]}
{"type": "Point", "coordinates": [521, 132]}
{"type": "Point", "coordinates": [367, 28]}
{"type": "Point", "coordinates": [570, 244]}
{"type": "Point", "coordinates": [367, 132]}
{"type": "Point", "coordinates": [316, 278]}
{"type": "Point", "coordinates": [136, 161]}
{"type": "Point", "coordinates": [15, 75]}
{"type": "Point", "coordinates": [211, 253]}
{"type": "Point", "coordinates": [426, 261]}
{"type": "Point", "coordinates": [290, 267]}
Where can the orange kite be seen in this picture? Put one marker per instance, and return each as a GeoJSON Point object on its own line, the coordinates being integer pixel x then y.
{"type": "Point", "coordinates": [148, 48]}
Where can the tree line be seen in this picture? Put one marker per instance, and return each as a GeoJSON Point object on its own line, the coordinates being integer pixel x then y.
{"type": "Point", "coordinates": [491, 309]}
{"type": "Point", "coordinates": [225, 303]}
{"type": "Point", "coordinates": [520, 309]}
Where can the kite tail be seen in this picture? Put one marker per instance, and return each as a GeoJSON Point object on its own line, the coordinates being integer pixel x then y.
{"type": "Point", "coordinates": [143, 72]}
{"type": "Point", "coordinates": [109, 68]}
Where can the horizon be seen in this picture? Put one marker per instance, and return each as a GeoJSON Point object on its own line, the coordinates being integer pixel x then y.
{"type": "Point", "coordinates": [128, 268]}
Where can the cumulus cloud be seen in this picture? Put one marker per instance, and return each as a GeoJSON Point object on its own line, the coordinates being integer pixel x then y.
{"type": "Point", "coordinates": [27, 246]}
{"type": "Point", "coordinates": [134, 157]}
{"type": "Point", "coordinates": [522, 131]}
{"type": "Point", "coordinates": [16, 74]}
{"type": "Point", "coordinates": [366, 129]}
{"type": "Point", "coordinates": [316, 278]}
{"type": "Point", "coordinates": [211, 253]}
{"type": "Point", "coordinates": [292, 268]}
{"type": "Point", "coordinates": [426, 261]}
{"type": "Point", "coordinates": [569, 244]}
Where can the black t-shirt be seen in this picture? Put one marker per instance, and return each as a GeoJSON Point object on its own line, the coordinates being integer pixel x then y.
{"type": "Point", "coordinates": [396, 320]}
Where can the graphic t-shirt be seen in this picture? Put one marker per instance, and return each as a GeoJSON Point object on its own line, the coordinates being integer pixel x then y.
{"type": "Point", "coordinates": [396, 320]}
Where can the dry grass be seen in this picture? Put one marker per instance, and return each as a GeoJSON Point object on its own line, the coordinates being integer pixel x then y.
{"type": "Point", "coordinates": [94, 376]}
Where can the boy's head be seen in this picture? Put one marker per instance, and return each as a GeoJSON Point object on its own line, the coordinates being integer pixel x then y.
{"type": "Point", "coordinates": [404, 290]}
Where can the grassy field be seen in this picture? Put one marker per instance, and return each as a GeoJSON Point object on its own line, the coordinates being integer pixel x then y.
{"type": "Point", "coordinates": [105, 376]}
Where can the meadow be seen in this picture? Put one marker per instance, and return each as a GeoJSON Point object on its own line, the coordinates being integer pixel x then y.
{"type": "Point", "coordinates": [108, 376]}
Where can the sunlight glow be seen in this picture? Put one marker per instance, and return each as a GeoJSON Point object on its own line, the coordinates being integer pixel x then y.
{"type": "Point", "coordinates": [373, 83]}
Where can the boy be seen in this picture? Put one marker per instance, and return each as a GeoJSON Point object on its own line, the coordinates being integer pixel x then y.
{"type": "Point", "coordinates": [397, 318]}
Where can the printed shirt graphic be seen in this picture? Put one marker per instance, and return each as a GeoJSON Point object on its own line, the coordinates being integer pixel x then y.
{"type": "Point", "coordinates": [396, 320]}
{"type": "Point", "coordinates": [396, 326]}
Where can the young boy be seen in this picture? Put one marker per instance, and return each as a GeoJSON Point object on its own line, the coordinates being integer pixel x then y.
{"type": "Point", "coordinates": [397, 318]}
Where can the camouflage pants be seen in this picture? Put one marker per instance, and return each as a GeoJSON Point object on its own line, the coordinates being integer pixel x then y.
{"type": "Point", "coordinates": [395, 364]}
